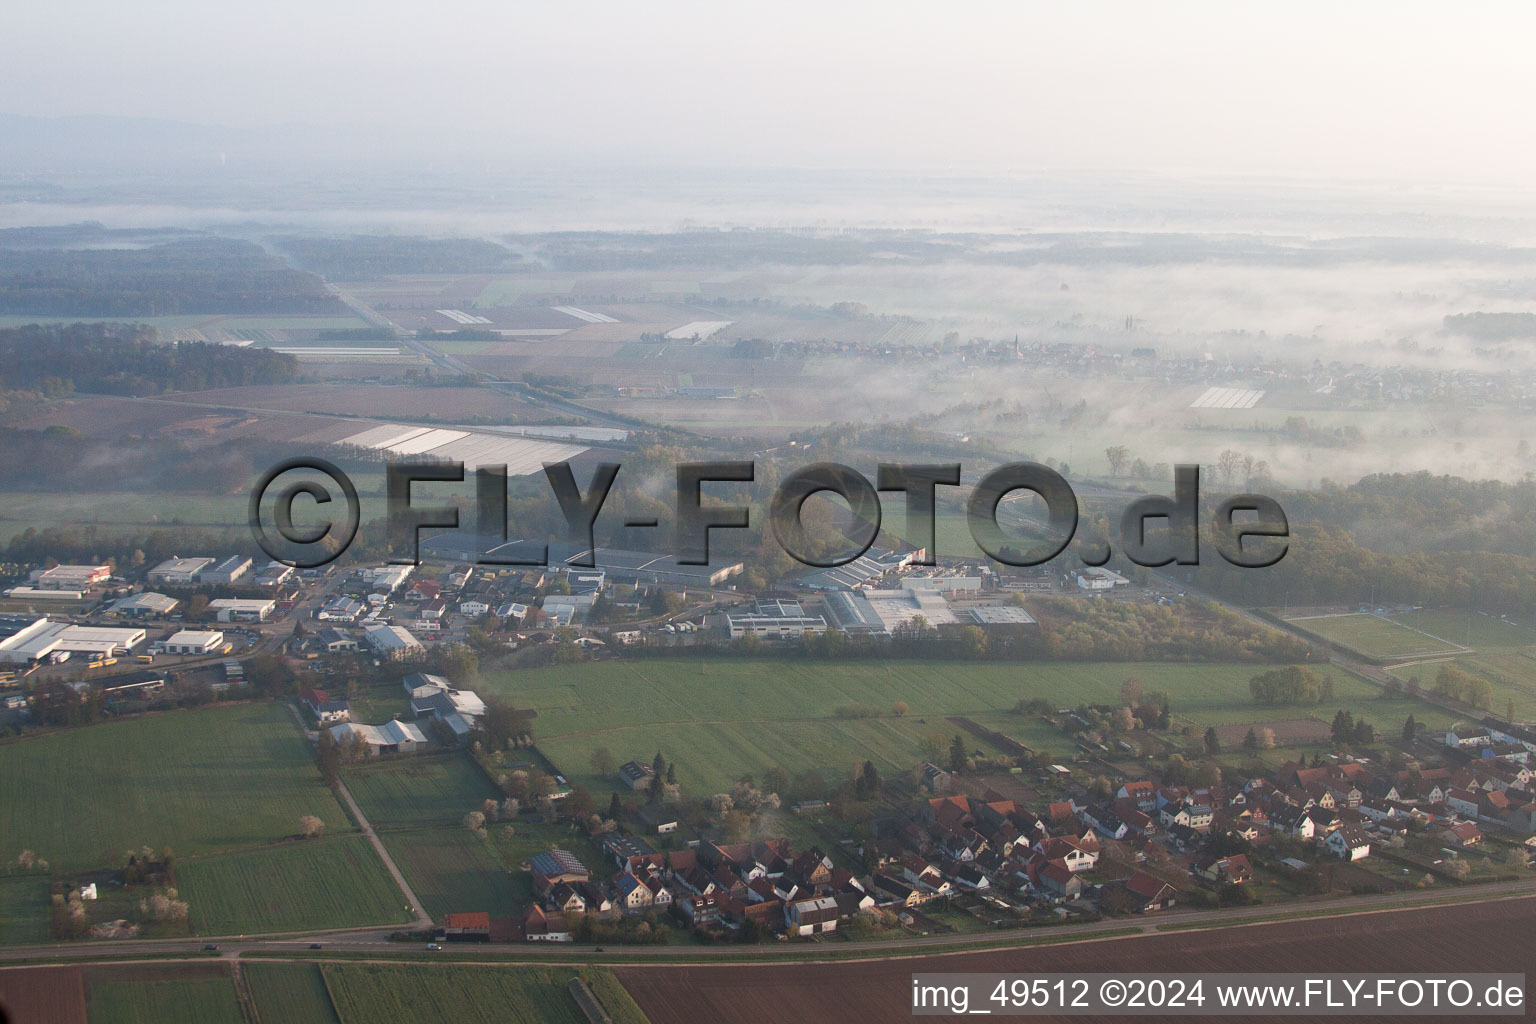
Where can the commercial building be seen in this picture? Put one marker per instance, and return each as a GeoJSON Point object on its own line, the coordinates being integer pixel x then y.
{"type": "Point", "coordinates": [27, 639]}
{"type": "Point", "coordinates": [1001, 615]}
{"type": "Point", "coordinates": [1100, 579]}
{"type": "Point", "coordinates": [614, 565]}
{"type": "Point", "coordinates": [899, 609]}
{"type": "Point", "coordinates": [850, 612]}
{"type": "Point", "coordinates": [225, 572]}
{"type": "Point", "coordinates": [386, 579]}
{"type": "Point", "coordinates": [943, 583]}
{"type": "Point", "coordinates": [340, 608]}
{"type": "Point", "coordinates": [240, 609]}
{"type": "Point", "coordinates": [192, 641]}
{"type": "Point", "coordinates": [70, 577]}
{"type": "Point", "coordinates": [177, 571]}
{"type": "Point", "coordinates": [391, 641]}
{"type": "Point", "coordinates": [783, 619]}
{"type": "Point", "coordinates": [147, 605]}
{"type": "Point", "coordinates": [39, 594]}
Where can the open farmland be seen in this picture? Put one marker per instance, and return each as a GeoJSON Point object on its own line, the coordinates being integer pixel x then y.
{"type": "Point", "coordinates": [289, 993]}
{"type": "Point", "coordinates": [199, 781]}
{"type": "Point", "coordinates": [24, 909]}
{"type": "Point", "coordinates": [1446, 940]}
{"type": "Point", "coordinates": [44, 995]}
{"type": "Point", "coordinates": [1376, 636]}
{"type": "Point", "coordinates": [168, 994]}
{"type": "Point", "coordinates": [453, 870]}
{"type": "Point", "coordinates": [420, 791]}
{"type": "Point", "coordinates": [721, 717]}
{"type": "Point", "coordinates": [363, 994]}
{"type": "Point", "coordinates": [446, 404]}
{"type": "Point", "coordinates": [324, 883]}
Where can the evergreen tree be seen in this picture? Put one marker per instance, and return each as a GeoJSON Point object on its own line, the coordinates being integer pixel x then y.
{"type": "Point", "coordinates": [615, 808]}
{"type": "Point", "coordinates": [957, 756]}
{"type": "Point", "coordinates": [1410, 729]}
{"type": "Point", "coordinates": [1251, 741]}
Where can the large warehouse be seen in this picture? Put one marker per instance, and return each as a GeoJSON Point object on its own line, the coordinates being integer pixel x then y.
{"type": "Point", "coordinates": [178, 571]}
{"type": "Point", "coordinates": [193, 641]}
{"type": "Point", "coordinates": [27, 639]}
{"type": "Point", "coordinates": [70, 577]}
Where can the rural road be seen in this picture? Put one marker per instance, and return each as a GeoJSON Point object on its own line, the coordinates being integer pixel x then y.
{"type": "Point", "coordinates": [423, 920]}
{"type": "Point", "coordinates": [377, 940]}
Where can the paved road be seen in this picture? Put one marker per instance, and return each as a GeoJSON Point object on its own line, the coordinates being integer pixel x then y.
{"type": "Point", "coordinates": [377, 940]}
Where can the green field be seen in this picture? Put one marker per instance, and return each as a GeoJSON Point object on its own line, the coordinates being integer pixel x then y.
{"type": "Point", "coordinates": [199, 781]}
{"type": "Point", "coordinates": [161, 995]}
{"type": "Point", "coordinates": [24, 909]}
{"type": "Point", "coordinates": [1376, 636]}
{"type": "Point", "coordinates": [420, 791]}
{"type": "Point", "coordinates": [453, 870]}
{"type": "Point", "coordinates": [364, 994]}
{"type": "Point", "coordinates": [307, 884]}
{"type": "Point", "coordinates": [722, 717]}
{"type": "Point", "coordinates": [289, 993]}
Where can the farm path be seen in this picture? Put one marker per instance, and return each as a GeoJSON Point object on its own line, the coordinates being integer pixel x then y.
{"type": "Point", "coordinates": [423, 919]}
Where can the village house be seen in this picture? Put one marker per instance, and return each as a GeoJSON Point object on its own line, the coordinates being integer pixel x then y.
{"type": "Point", "coordinates": [1349, 843]}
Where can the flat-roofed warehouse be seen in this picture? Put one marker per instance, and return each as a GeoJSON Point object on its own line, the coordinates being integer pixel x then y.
{"type": "Point", "coordinates": [784, 619]}
{"type": "Point", "coordinates": [241, 609]}
{"type": "Point", "coordinates": [1001, 615]}
{"type": "Point", "coordinates": [193, 641]}
{"type": "Point", "coordinates": [27, 639]}
{"type": "Point", "coordinates": [69, 577]}
{"type": "Point", "coordinates": [391, 641]}
{"type": "Point", "coordinates": [617, 564]}
{"type": "Point", "coordinates": [177, 570]}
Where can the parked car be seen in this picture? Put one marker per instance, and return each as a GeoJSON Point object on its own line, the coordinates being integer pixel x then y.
{"type": "Point", "coordinates": [433, 946]}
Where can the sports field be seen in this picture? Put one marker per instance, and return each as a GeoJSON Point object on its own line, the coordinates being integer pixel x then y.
{"type": "Point", "coordinates": [420, 791]}
{"type": "Point", "coordinates": [1377, 636]}
{"type": "Point", "coordinates": [719, 718]}
{"type": "Point", "coordinates": [306, 884]}
{"type": "Point", "coordinates": [1469, 629]}
{"type": "Point", "coordinates": [198, 781]}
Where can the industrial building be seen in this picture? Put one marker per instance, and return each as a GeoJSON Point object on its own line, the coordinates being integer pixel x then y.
{"type": "Point", "coordinates": [851, 613]}
{"type": "Point", "coordinates": [944, 583]}
{"type": "Point", "coordinates": [192, 641]}
{"type": "Point", "coordinates": [39, 594]}
{"type": "Point", "coordinates": [177, 571]}
{"type": "Point", "coordinates": [391, 641]}
{"type": "Point", "coordinates": [615, 565]}
{"type": "Point", "coordinates": [27, 639]}
{"type": "Point", "coordinates": [898, 609]}
{"type": "Point", "coordinates": [148, 605]}
{"type": "Point", "coordinates": [225, 572]}
{"type": "Point", "coordinates": [1100, 579]}
{"type": "Point", "coordinates": [387, 578]}
{"type": "Point", "coordinates": [862, 571]}
{"type": "Point", "coordinates": [784, 619]}
{"type": "Point", "coordinates": [1001, 615]}
{"type": "Point", "coordinates": [241, 609]}
{"type": "Point", "coordinates": [70, 577]}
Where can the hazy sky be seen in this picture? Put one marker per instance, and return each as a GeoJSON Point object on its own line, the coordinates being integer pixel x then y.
{"type": "Point", "coordinates": [1431, 92]}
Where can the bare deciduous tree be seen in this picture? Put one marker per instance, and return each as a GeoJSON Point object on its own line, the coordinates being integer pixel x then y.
{"type": "Point", "coordinates": [311, 826]}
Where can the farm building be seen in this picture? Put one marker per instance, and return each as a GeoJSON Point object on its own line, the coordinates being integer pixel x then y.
{"type": "Point", "coordinates": [556, 866]}
{"type": "Point", "coordinates": [227, 571]}
{"type": "Point", "coordinates": [390, 738]}
{"type": "Point", "coordinates": [241, 609]}
{"type": "Point", "coordinates": [469, 927]}
{"type": "Point", "coordinates": [459, 710]}
{"type": "Point", "coordinates": [192, 641]}
{"type": "Point", "coordinates": [424, 684]}
{"type": "Point", "coordinates": [324, 707]}
{"type": "Point", "coordinates": [70, 577]}
{"type": "Point", "coordinates": [392, 641]}
{"type": "Point", "coordinates": [177, 571]}
{"type": "Point", "coordinates": [636, 775]}
{"type": "Point", "coordinates": [148, 605]}
{"type": "Point", "coordinates": [785, 619]}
